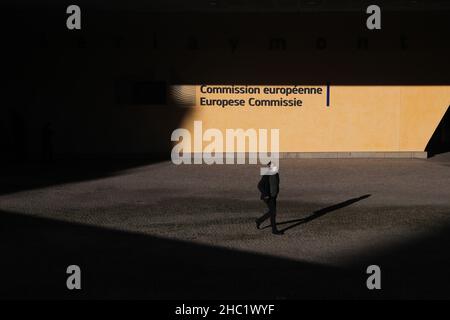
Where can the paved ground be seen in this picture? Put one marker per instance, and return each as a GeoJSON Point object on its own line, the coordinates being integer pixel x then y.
{"type": "Point", "coordinates": [166, 231]}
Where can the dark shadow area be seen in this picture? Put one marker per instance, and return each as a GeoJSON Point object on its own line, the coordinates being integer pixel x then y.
{"type": "Point", "coordinates": [319, 213]}
{"type": "Point", "coordinates": [116, 265]}
{"type": "Point", "coordinates": [122, 265]}
{"type": "Point", "coordinates": [440, 140]}
{"type": "Point", "coordinates": [416, 268]}
{"type": "Point", "coordinates": [28, 176]}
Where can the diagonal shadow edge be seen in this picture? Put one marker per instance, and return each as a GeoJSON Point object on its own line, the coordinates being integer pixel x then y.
{"type": "Point", "coordinates": [120, 264]}
{"type": "Point", "coordinates": [116, 264]}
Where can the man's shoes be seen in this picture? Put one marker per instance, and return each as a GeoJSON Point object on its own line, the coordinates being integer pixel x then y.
{"type": "Point", "coordinates": [278, 232]}
{"type": "Point", "coordinates": [258, 224]}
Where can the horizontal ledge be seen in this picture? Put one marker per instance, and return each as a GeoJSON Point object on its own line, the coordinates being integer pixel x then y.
{"type": "Point", "coordinates": [326, 155]}
{"type": "Point", "coordinates": [246, 155]}
{"type": "Point", "coordinates": [356, 154]}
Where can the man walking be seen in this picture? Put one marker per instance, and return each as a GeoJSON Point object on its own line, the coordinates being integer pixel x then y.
{"type": "Point", "coordinates": [269, 186]}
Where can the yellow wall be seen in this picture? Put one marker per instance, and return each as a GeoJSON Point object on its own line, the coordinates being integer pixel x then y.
{"type": "Point", "coordinates": [359, 118]}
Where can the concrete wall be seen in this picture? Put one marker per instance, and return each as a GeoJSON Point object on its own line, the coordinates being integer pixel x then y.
{"type": "Point", "coordinates": [388, 96]}
{"type": "Point", "coordinates": [359, 118]}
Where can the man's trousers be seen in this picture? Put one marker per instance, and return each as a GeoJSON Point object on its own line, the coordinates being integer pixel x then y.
{"type": "Point", "coordinates": [272, 205]}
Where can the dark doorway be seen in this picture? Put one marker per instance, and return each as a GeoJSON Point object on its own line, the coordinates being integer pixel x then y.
{"type": "Point", "coordinates": [440, 140]}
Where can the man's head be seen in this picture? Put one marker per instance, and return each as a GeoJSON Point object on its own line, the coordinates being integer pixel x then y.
{"type": "Point", "coordinates": [270, 166]}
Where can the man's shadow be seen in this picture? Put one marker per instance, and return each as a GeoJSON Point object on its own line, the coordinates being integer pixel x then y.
{"type": "Point", "coordinates": [319, 213]}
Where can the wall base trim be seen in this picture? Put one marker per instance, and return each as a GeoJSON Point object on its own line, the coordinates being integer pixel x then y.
{"type": "Point", "coordinates": [353, 155]}
{"type": "Point", "coordinates": [252, 155]}
{"type": "Point", "coordinates": [327, 155]}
